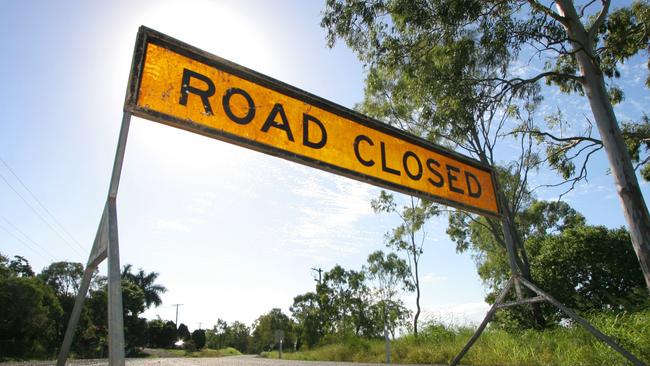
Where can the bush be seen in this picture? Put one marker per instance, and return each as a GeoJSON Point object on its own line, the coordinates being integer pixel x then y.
{"type": "Point", "coordinates": [161, 334]}
{"type": "Point", "coordinates": [189, 346]}
{"type": "Point", "coordinates": [198, 336]}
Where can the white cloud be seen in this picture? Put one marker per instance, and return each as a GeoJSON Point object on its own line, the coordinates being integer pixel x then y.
{"type": "Point", "coordinates": [460, 314]}
{"type": "Point", "coordinates": [523, 69]}
{"type": "Point", "coordinates": [203, 203]}
{"type": "Point", "coordinates": [432, 278]}
{"type": "Point", "coordinates": [330, 208]}
{"type": "Point", "coordinates": [168, 225]}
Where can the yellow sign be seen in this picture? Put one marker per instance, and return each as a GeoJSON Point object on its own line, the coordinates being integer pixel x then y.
{"type": "Point", "coordinates": [179, 85]}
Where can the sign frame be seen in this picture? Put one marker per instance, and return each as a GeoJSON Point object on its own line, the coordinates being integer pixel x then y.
{"type": "Point", "coordinates": [147, 35]}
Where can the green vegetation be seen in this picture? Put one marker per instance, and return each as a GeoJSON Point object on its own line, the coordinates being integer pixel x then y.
{"type": "Point", "coordinates": [590, 268]}
{"type": "Point", "coordinates": [447, 71]}
{"type": "Point", "coordinates": [348, 302]}
{"type": "Point", "coordinates": [560, 346]}
{"type": "Point", "coordinates": [204, 352]}
{"type": "Point", "coordinates": [469, 74]}
{"type": "Point", "coordinates": [443, 71]}
{"type": "Point", "coordinates": [404, 238]}
{"type": "Point", "coordinates": [223, 335]}
{"type": "Point", "coordinates": [36, 309]}
{"type": "Point", "coordinates": [208, 352]}
{"type": "Point", "coordinates": [198, 337]}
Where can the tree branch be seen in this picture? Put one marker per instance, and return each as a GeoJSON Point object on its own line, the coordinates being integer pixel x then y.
{"type": "Point", "coordinates": [584, 8]}
{"type": "Point", "coordinates": [546, 10]}
{"type": "Point", "coordinates": [519, 82]}
{"type": "Point", "coordinates": [577, 139]}
{"type": "Point", "coordinates": [641, 163]}
{"type": "Point", "coordinates": [591, 33]}
{"type": "Point", "coordinates": [574, 181]}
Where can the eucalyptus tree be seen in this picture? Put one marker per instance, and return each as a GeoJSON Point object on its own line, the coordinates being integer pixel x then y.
{"type": "Point", "coordinates": [63, 277]}
{"type": "Point", "coordinates": [268, 327]}
{"type": "Point", "coordinates": [391, 276]}
{"type": "Point", "coordinates": [307, 311]}
{"type": "Point", "coordinates": [440, 67]}
{"type": "Point", "coordinates": [343, 300]}
{"type": "Point", "coordinates": [408, 236]}
{"type": "Point", "coordinates": [426, 74]}
{"type": "Point", "coordinates": [218, 335]}
{"type": "Point", "coordinates": [20, 265]}
{"type": "Point", "coordinates": [239, 336]}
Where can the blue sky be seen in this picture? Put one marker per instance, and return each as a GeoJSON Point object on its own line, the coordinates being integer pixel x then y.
{"type": "Point", "coordinates": [233, 233]}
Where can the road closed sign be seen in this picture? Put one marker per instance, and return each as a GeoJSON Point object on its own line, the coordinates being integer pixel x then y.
{"type": "Point", "coordinates": [182, 86]}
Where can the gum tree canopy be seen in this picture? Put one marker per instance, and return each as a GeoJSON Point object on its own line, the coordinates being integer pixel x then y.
{"type": "Point", "coordinates": [583, 43]}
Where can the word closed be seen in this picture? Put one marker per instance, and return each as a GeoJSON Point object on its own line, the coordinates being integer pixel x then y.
{"type": "Point", "coordinates": [178, 85]}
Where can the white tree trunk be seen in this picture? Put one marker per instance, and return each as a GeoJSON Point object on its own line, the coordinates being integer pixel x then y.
{"type": "Point", "coordinates": [627, 185]}
{"type": "Point", "coordinates": [386, 337]}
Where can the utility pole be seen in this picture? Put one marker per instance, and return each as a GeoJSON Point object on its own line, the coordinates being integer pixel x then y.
{"type": "Point", "coordinates": [320, 271]}
{"type": "Point", "coordinates": [177, 305]}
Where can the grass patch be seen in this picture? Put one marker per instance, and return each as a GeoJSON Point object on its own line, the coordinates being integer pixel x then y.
{"type": "Point", "coordinates": [562, 346]}
{"type": "Point", "coordinates": [209, 352]}
{"type": "Point", "coordinates": [205, 352]}
{"type": "Point", "coordinates": [175, 353]}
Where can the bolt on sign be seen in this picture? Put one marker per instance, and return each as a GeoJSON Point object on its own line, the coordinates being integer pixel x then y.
{"type": "Point", "coordinates": [181, 86]}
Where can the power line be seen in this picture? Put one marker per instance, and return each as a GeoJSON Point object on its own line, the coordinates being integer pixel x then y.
{"type": "Point", "coordinates": [41, 204]}
{"type": "Point", "coordinates": [27, 237]}
{"type": "Point", "coordinates": [23, 242]}
{"type": "Point", "coordinates": [40, 216]}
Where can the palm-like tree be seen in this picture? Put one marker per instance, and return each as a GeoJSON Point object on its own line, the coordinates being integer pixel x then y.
{"type": "Point", "coordinates": [146, 282]}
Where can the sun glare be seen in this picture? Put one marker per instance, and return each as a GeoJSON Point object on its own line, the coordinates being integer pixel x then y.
{"type": "Point", "coordinates": [218, 28]}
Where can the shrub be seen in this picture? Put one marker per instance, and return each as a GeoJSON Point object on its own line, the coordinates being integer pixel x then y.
{"type": "Point", "coordinates": [189, 346]}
